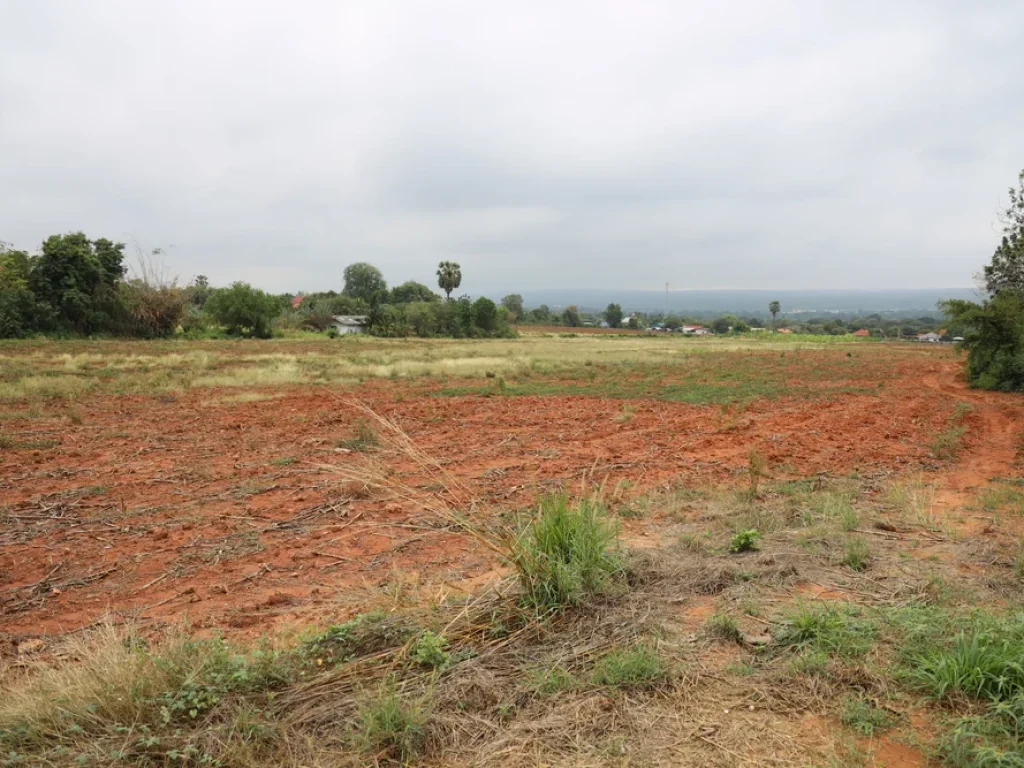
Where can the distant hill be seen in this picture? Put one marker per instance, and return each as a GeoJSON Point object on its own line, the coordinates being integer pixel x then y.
{"type": "Point", "coordinates": [794, 303]}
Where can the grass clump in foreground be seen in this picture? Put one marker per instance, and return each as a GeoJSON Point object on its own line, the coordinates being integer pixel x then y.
{"type": "Point", "coordinates": [983, 666]}
{"type": "Point", "coordinates": [639, 666]}
{"type": "Point", "coordinates": [393, 727]}
{"type": "Point", "coordinates": [566, 553]}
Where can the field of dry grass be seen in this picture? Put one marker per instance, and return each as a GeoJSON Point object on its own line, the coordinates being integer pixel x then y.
{"type": "Point", "coordinates": [585, 551]}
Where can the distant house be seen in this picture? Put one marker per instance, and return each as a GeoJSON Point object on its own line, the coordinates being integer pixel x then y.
{"type": "Point", "coordinates": [696, 330]}
{"type": "Point", "coordinates": [863, 332]}
{"type": "Point", "coordinates": [932, 338]}
{"type": "Point", "coordinates": [784, 330]}
{"type": "Point", "coordinates": [297, 300]}
{"type": "Point", "coordinates": [349, 323]}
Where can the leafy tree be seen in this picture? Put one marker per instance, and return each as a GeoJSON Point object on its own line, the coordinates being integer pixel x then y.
{"type": "Point", "coordinates": [449, 277]}
{"type": "Point", "coordinates": [727, 323]}
{"type": "Point", "coordinates": [243, 309]}
{"type": "Point", "coordinates": [634, 323]}
{"type": "Point", "coordinates": [485, 315]}
{"type": "Point", "coordinates": [411, 291]}
{"type": "Point", "coordinates": [613, 315]}
{"type": "Point", "coordinates": [994, 339]}
{"type": "Point", "coordinates": [1006, 270]}
{"type": "Point", "coordinates": [571, 317]}
{"type": "Point", "coordinates": [774, 307]}
{"type": "Point", "coordinates": [540, 316]}
{"type": "Point", "coordinates": [994, 330]}
{"type": "Point", "coordinates": [673, 322]}
{"type": "Point", "coordinates": [514, 304]}
{"type": "Point", "coordinates": [78, 280]}
{"type": "Point", "coordinates": [362, 280]}
{"type": "Point", "coordinates": [199, 291]}
{"type": "Point", "coordinates": [19, 311]}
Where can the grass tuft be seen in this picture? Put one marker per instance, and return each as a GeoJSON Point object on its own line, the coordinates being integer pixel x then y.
{"type": "Point", "coordinates": [639, 666]}
{"type": "Point", "coordinates": [566, 554]}
{"type": "Point", "coordinates": [393, 727]}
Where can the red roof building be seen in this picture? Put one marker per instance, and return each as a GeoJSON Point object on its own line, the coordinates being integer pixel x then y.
{"type": "Point", "coordinates": [297, 300]}
{"type": "Point", "coordinates": [862, 332]}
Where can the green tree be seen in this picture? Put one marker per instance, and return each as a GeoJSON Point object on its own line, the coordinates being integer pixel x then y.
{"type": "Point", "coordinates": [78, 280]}
{"type": "Point", "coordinates": [993, 331]}
{"type": "Point", "coordinates": [994, 339]}
{"type": "Point", "coordinates": [726, 323]}
{"type": "Point", "coordinates": [774, 307]}
{"type": "Point", "coordinates": [571, 317]}
{"type": "Point", "coordinates": [1006, 270]}
{"type": "Point", "coordinates": [199, 291]}
{"type": "Point", "coordinates": [243, 310]}
{"type": "Point", "coordinates": [411, 291]}
{"type": "Point", "coordinates": [363, 280]}
{"type": "Point", "coordinates": [613, 315]}
{"type": "Point", "coordinates": [514, 304]}
{"type": "Point", "coordinates": [449, 277]}
{"type": "Point", "coordinates": [540, 316]}
{"type": "Point", "coordinates": [485, 315]}
{"type": "Point", "coordinates": [19, 312]}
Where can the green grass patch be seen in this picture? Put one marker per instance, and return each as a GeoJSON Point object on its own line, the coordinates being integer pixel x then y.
{"type": "Point", "coordinates": [566, 554]}
{"type": "Point", "coordinates": [864, 717]}
{"type": "Point", "coordinates": [392, 727]}
{"type": "Point", "coordinates": [832, 630]}
{"type": "Point", "coordinates": [639, 666]}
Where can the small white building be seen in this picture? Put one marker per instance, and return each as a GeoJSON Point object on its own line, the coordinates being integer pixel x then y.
{"type": "Point", "coordinates": [349, 323]}
{"type": "Point", "coordinates": [696, 330]}
{"type": "Point", "coordinates": [933, 338]}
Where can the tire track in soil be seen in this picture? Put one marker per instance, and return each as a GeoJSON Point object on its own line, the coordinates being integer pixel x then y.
{"type": "Point", "coordinates": [992, 445]}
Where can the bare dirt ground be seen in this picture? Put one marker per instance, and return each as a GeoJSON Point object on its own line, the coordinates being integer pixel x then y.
{"type": "Point", "coordinates": [232, 515]}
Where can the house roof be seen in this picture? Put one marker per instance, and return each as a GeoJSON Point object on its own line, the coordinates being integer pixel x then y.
{"type": "Point", "coordinates": [353, 320]}
{"type": "Point", "coordinates": [862, 332]}
{"type": "Point", "coordinates": [784, 330]}
{"type": "Point", "coordinates": [296, 300]}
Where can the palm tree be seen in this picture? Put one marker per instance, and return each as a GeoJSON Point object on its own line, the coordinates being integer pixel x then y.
{"type": "Point", "coordinates": [774, 308]}
{"type": "Point", "coordinates": [449, 277]}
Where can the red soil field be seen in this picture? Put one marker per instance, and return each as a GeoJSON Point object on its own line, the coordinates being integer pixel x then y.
{"type": "Point", "coordinates": [234, 517]}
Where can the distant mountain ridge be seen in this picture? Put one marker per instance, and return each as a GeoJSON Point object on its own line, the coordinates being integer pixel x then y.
{"type": "Point", "coordinates": [752, 301]}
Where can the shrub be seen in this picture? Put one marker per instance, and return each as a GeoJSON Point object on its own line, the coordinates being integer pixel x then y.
{"type": "Point", "coordinates": [243, 310]}
{"type": "Point", "coordinates": [566, 553]}
{"type": "Point", "coordinates": [745, 541]}
{"type": "Point", "coordinates": [429, 651]}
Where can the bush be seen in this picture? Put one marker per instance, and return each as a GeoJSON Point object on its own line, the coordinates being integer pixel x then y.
{"type": "Point", "coordinates": [566, 554]}
{"type": "Point", "coordinates": [243, 310]}
{"type": "Point", "coordinates": [429, 651]}
{"type": "Point", "coordinates": [745, 541]}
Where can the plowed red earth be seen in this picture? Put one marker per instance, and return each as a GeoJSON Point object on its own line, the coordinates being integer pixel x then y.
{"type": "Point", "coordinates": [159, 508]}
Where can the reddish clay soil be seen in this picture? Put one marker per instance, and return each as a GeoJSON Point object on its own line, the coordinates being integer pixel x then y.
{"type": "Point", "coordinates": [230, 515]}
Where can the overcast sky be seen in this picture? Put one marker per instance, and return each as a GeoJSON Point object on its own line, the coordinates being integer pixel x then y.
{"type": "Point", "coordinates": [740, 144]}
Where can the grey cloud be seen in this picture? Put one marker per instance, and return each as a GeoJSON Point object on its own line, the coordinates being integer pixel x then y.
{"type": "Point", "coordinates": [759, 143]}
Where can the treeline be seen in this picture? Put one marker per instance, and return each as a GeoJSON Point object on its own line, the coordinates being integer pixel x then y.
{"type": "Point", "coordinates": [76, 286]}
{"type": "Point", "coordinates": [614, 317]}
